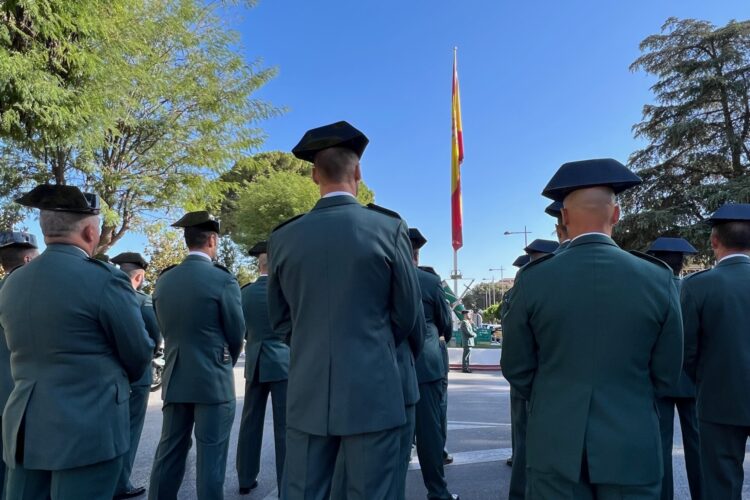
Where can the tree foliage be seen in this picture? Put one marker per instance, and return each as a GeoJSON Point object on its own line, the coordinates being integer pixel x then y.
{"type": "Point", "coordinates": [698, 131]}
{"type": "Point", "coordinates": [165, 247]}
{"type": "Point", "coordinates": [480, 296]}
{"type": "Point", "coordinates": [152, 105]}
{"type": "Point", "coordinates": [276, 187]}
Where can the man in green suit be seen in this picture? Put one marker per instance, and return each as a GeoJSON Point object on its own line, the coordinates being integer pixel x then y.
{"type": "Point", "coordinates": [343, 288]}
{"type": "Point", "coordinates": [16, 250]}
{"type": "Point", "coordinates": [199, 310]}
{"type": "Point", "coordinates": [716, 315]}
{"type": "Point", "coordinates": [467, 341]}
{"type": "Point", "coordinates": [76, 338]}
{"type": "Point", "coordinates": [430, 367]}
{"type": "Point", "coordinates": [682, 395]}
{"type": "Point", "coordinates": [134, 265]}
{"type": "Point", "coordinates": [593, 334]}
{"type": "Point", "coordinates": [266, 373]}
{"type": "Point", "coordinates": [554, 209]}
{"type": "Point", "coordinates": [519, 404]}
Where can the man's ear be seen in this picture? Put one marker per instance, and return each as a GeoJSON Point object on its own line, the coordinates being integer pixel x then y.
{"type": "Point", "coordinates": [565, 219]}
{"type": "Point", "coordinates": [315, 176]}
{"type": "Point", "coordinates": [357, 173]}
{"type": "Point", "coordinates": [715, 244]}
{"type": "Point", "coordinates": [616, 215]}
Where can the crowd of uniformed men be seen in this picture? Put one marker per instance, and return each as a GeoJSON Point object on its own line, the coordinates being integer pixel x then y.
{"type": "Point", "coordinates": [346, 334]}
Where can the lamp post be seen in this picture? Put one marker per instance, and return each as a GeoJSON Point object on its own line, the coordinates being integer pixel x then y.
{"type": "Point", "coordinates": [502, 270]}
{"type": "Point", "coordinates": [486, 295]}
{"type": "Point", "coordinates": [525, 234]}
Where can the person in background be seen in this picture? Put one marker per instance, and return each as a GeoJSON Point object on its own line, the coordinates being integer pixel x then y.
{"type": "Point", "coordinates": [467, 341]}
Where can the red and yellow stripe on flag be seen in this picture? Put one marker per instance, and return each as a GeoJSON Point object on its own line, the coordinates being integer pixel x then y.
{"type": "Point", "coordinates": [457, 156]}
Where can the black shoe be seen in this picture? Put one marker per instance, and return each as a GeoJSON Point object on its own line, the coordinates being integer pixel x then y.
{"type": "Point", "coordinates": [245, 490]}
{"type": "Point", "coordinates": [447, 459]}
{"type": "Point", "coordinates": [509, 462]}
{"type": "Point", "coordinates": [135, 492]}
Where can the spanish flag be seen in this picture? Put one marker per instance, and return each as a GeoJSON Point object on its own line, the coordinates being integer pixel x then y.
{"type": "Point", "coordinates": [457, 156]}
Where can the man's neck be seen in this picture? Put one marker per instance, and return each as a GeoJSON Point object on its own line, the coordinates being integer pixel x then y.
{"type": "Point", "coordinates": [340, 188]}
{"type": "Point", "coordinates": [68, 241]}
{"type": "Point", "coordinates": [724, 253]}
{"type": "Point", "coordinates": [201, 252]}
{"type": "Point", "coordinates": [572, 235]}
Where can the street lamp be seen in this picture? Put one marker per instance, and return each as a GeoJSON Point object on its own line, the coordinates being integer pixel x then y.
{"type": "Point", "coordinates": [502, 270]}
{"type": "Point", "coordinates": [525, 234]}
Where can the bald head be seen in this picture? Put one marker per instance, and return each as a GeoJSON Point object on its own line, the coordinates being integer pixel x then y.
{"type": "Point", "coordinates": [590, 210]}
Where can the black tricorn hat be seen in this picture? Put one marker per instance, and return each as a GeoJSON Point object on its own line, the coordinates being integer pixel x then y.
{"type": "Point", "coordinates": [259, 248]}
{"type": "Point", "coordinates": [18, 239]}
{"type": "Point", "coordinates": [130, 258]}
{"type": "Point", "coordinates": [541, 246]}
{"type": "Point", "coordinates": [340, 134]}
{"type": "Point", "coordinates": [522, 260]}
{"type": "Point", "coordinates": [731, 212]}
{"type": "Point", "coordinates": [554, 209]}
{"type": "Point", "coordinates": [672, 245]}
{"type": "Point", "coordinates": [61, 198]}
{"type": "Point", "coordinates": [417, 239]}
{"type": "Point", "coordinates": [200, 220]}
{"type": "Point", "coordinates": [590, 173]}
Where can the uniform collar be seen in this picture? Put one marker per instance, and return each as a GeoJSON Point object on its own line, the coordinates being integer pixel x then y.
{"type": "Point", "coordinates": [334, 201]}
{"type": "Point", "coordinates": [337, 193]}
{"type": "Point", "coordinates": [586, 238]}
{"type": "Point", "coordinates": [68, 249]}
{"type": "Point", "coordinates": [735, 258]}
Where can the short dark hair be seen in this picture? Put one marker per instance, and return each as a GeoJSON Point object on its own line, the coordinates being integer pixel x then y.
{"type": "Point", "coordinates": [734, 235]}
{"type": "Point", "coordinates": [196, 237]}
{"type": "Point", "coordinates": [12, 257]}
{"type": "Point", "coordinates": [675, 260]}
{"type": "Point", "coordinates": [336, 164]}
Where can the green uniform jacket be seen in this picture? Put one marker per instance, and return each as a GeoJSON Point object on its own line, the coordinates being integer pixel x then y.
{"type": "Point", "coordinates": [406, 355]}
{"type": "Point", "coordinates": [467, 332]}
{"type": "Point", "coordinates": [152, 328]}
{"type": "Point", "coordinates": [343, 287]}
{"type": "Point", "coordinates": [716, 315]}
{"type": "Point", "coordinates": [76, 338]}
{"type": "Point", "coordinates": [6, 379]}
{"type": "Point", "coordinates": [685, 387]}
{"type": "Point", "coordinates": [199, 310]}
{"type": "Point", "coordinates": [592, 334]}
{"type": "Point", "coordinates": [430, 364]}
{"type": "Point", "coordinates": [265, 348]}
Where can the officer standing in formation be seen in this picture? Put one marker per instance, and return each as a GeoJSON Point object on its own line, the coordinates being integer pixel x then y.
{"type": "Point", "coordinates": [134, 265]}
{"type": "Point", "coordinates": [554, 209]}
{"type": "Point", "coordinates": [587, 355]}
{"type": "Point", "coordinates": [716, 315]}
{"type": "Point", "coordinates": [467, 340]}
{"type": "Point", "coordinates": [672, 251]}
{"type": "Point", "coordinates": [76, 339]}
{"type": "Point", "coordinates": [16, 250]}
{"type": "Point", "coordinates": [518, 404]}
{"type": "Point", "coordinates": [199, 310]}
{"type": "Point", "coordinates": [266, 373]}
{"type": "Point", "coordinates": [343, 288]}
{"type": "Point", "coordinates": [429, 431]}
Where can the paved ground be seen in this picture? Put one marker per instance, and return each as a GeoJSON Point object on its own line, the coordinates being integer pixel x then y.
{"type": "Point", "coordinates": [478, 437]}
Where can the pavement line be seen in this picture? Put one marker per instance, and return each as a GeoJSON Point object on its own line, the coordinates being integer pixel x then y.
{"type": "Point", "coordinates": [472, 457]}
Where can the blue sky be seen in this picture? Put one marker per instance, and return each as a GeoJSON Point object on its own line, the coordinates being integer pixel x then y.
{"type": "Point", "coordinates": [542, 83]}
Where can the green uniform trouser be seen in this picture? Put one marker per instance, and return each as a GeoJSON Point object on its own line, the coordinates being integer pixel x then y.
{"type": "Point", "coordinates": [213, 424]}
{"type": "Point", "coordinates": [444, 401]}
{"type": "Point", "coordinates": [466, 358]}
{"type": "Point", "coordinates": [138, 406]}
{"type": "Point", "coordinates": [690, 442]}
{"type": "Point", "coordinates": [545, 486]}
{"type": "Point", "coordinates": [369, 463]}
{"type": "Point", "coordinates": [431, 439]}
{"type": "Point", "coordinates": [251, 429]}
{"type": "Point", "coordinates": [722, 454]}
{"type": "Point", "coordinates": [92, 482]}
{"type": "Point", "coordinates": [519, 418]}
{"type": "Point", "coordinates": [398, 488]}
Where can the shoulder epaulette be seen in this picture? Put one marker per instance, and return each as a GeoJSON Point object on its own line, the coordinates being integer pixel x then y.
{"type": "Point", "coordinates": [537, 261]}
{"type": "Point", "coordinates": [109, 267]}
{"type": "Point", "coordinates": [223, 268]}
{"type": "Point", "coordinates": [651, 259]}
{"type": "Point", "coordinates": [287, 222]}
{"type": "Point", "coordinates": [167, 269]}
{"type": "Point", "coordinates": [691, 275]}
{"type": "Point", "coordinates": [382, 210]}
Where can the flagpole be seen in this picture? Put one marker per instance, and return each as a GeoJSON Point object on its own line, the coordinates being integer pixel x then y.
{"type": "Point", "coordinates": [455, 272]}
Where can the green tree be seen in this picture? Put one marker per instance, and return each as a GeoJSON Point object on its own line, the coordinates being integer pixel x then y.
{"type": "Point", "coordinates": [481, 295]}
{"type": "Point", "coordinates": [166, 247]}
{"type": "Point", "coordinates": [276, 187]}
{"type": "Point", "coordinates": [698, 131]}
{"type": "Point", "coordinates": [237, 261]}
{"type": "Point", "coordinates": [169, 108]}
